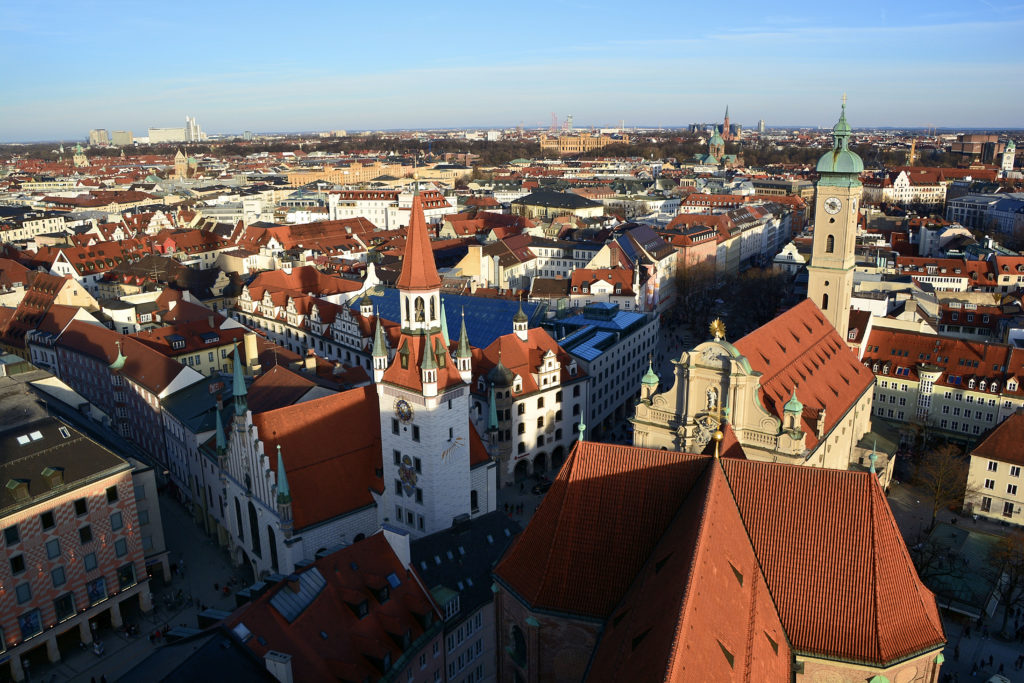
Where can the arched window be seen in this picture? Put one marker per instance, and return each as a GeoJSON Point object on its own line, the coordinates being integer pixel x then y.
{"type": "Point", "coordinates": [517, 648]}
{"type": "Point", "coordinates": [824, 301]}
{"type": "Point", "coordinates": [419, 309]}
{"type": "Point", "coordinates": [830, 244]}
{"type": "Point", "coordinates": [272, 542]}
{"type": "Point", "coordinates": [522, 428]}
{"type": "Point", "coordinates": [238, 517]}
{"type": "Point", "coordinates": [522, 448]}
{"type": "Point", "coordinates": [254, 530]}
{"type": "Point", "coordinates": [433, 311]}
{"type": "Point", "coordinates": [407, 315]}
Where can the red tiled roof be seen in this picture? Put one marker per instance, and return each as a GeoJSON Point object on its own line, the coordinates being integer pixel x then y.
{"type": "Point", "coordinates": [328, 476]}
{"type": "Point", "coordinates": [835, 562]}
{"type": "Point", "coordinates": [327, 640]}
{"type": "Point", "coordinates": [702, 595]}
{"type": "Point", "coordinates": [832, 558]}
{"type": "Point", "coordinates": [418, 270]}
{"type": "Point", "coordinates": [1004, 442]}
{"type": "Point", "coordinates": [800, 349]}
{"type": "Point", "coordinates": [596, 527]}
{"type": "Point", "coordinates": [410, 376]}
{"type": "Point", "coordinates": [276, 388]}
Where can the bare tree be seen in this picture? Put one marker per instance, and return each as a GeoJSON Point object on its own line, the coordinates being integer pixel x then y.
{"type": "Point", "coordinates": [943, 474]}
{"type": "Point", "coordinates": [1007, 561]}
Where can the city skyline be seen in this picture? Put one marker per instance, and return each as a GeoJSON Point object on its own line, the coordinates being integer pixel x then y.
{"type": "Point", "coordinates": [668, 67]}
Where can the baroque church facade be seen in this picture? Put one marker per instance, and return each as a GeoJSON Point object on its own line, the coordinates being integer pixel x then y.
{"type": "Point", "coordinates": [791, 391]}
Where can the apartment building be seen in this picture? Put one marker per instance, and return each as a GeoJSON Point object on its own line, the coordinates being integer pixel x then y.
{"type": "Point", "coordinates": [995, 488]}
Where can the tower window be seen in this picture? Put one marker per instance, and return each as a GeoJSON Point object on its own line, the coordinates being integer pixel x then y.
{"type": "Point", "coordinates": [824, 302]}
{"type": "Point", "coordinates": [419, 309]}
{"type": "Point", "coordinates": [830, 244]}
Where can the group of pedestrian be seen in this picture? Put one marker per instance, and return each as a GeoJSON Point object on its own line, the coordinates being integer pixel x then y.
{"type": "Point", "coordinates": [514, 509]}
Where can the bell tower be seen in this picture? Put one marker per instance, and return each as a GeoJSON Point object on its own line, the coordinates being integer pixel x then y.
{"type": "Point", "coordinates": [837, 205]}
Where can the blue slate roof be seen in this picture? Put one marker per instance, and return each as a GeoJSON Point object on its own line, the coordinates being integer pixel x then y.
{"type": "Point", "coordinates": [486, 319]}
{"type": "Point", "coordinates": [592, 347]}
{"type": "Point", "coordinates": [620, 321]}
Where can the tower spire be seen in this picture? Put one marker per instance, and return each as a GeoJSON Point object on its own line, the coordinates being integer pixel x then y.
{"type": "Point", "coordinates": [419, 272]}
{"type": "Point", "coordinates": [238, 389]}
{"type": "Point", "coordinates": [284, 494]}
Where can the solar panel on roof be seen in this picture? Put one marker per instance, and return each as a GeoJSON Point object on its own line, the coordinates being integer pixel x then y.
{"type": "Point", "coordinates": [486, 319]}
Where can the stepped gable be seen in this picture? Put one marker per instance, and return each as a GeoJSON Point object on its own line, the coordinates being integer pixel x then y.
{"type": "Point", "coordinates": [801, 350]}
{"type": "Point", "coordinates": [329, 476]}
{"type": "Point", "coordinates": [835, 562]}
{"type": "Point", "coordinates": [700, 600]}
{"type": "Point", "coordinates": [418, 270]}
{"type": "Point", "coordinates": [596, 527]}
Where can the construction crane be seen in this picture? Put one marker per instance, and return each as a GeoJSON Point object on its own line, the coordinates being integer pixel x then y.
{"type": "Point", "coordinates": [912, 153]}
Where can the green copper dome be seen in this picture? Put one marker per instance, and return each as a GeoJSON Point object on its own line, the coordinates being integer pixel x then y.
{"type": "Point", "coordinates": [650, 379]}
{"type": "Point", "coordinates": [793, 405]}
{"type": "Point", "coordinates": [716, 139]}
{"type": "Point", "coordinates": [840, 159]}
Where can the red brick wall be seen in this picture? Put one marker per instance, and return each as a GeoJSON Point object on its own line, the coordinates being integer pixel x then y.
{"type": "Point", "coordinates": [559, 649]}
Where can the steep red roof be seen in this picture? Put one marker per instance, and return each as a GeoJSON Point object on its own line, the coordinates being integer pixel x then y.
{"type": "Point", "coordinates": [800, 349]}
{"type": "Point", "coordinates": [702, 596]}
{"type": "Point", "coordinates": [418, 269]}
{"type": "Point", "coordinates": [276, 388]}
{"type": "Point", "coordinates": [328, 476]}
{"type": "Point", "coordinates": [596, 527]}
{"type": "Point", "coordinates": [835, 562]}
{"type": "Point", "coordinates": [832, 557]}
{"type": "Point", "coordinates": [1004, 442]}
{"type": "Point", "coordinates": [412, 348]}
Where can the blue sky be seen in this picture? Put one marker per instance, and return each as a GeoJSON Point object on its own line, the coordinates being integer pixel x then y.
{"type": "Point", "coordinates": [71, 66]}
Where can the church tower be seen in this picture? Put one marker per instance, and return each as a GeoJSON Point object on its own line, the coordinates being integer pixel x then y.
{"type": "Point", "coordinates": [180, 165]}
{"type": "Point", "coordinates": [79, 159]}
{"type": "Point", "coordinates": [837, 205]}
{"type": "Point", "coordinates": [424, 403]}
{"type": "Point", "coordinates": [726, 128]}
{"type": "Point", "coordinates": [1008, 157]}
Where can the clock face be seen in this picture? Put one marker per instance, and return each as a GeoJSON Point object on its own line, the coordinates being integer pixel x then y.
{"type": "Point", "coordinates": [833, 205]}
{"type": "Point", "coordinates": [403, 410]}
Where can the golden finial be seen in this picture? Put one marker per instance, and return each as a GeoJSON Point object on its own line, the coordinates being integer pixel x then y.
{"type": "Point", "coordinates": [718, 436]}
{"type": "Point", "coordinates": [717, 328]}
{"type": "Point", "coordinates": [844, 100]}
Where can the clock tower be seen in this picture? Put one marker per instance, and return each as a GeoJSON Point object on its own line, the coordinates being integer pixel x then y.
{"type": "Point", "coordinates": [424, 404]}
{"type": "Point", "coordinates": [837, 205]}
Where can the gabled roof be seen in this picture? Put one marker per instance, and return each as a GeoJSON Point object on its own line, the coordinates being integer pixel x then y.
{"type": "Point", "coordinates": [329, 476]}
{"type": "Point", "coordinates": [327, 639]}
{"type": "Point", "coordinates": [418, 270]}
{"type": "Point", "coordinates": [832, 557]}
{"type": "Point", "coordinates": [800, 349]}
{"type": "Point", "coordinates": [1004, 442]}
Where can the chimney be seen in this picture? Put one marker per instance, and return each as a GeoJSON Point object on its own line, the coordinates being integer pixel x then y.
{"type": "Point", "coordinates": [209, 319]}
{"type": "Point", "coordinates": [293, 583]}
{"type": "Point", "coordinates": [309, 363]}
{"type": "Point", "coordinates": [279, 664]}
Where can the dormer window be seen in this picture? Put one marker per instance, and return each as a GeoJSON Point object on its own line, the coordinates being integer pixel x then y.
{"type": "Point", "coordinates": [970, 383]}
{"type": "Point", "coordinates": [1011, 385]}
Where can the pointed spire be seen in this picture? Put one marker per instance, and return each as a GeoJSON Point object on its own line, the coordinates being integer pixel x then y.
{"type": "Point", "coordinates": [239, 389]}
{"type": "Point", "coordinates": [419, 271]}
{"type": "Point", "coordinates": [222, 442]}
{"type": "Point", "coordinates": [444, 326]}
{"type": "Point", "coordinates": [380, 349]}
{"type": "Point", "coordinates": [582, 428]}
{"type": "Point", "coordinates": [284, 494]}
{"type": "Point", "coordinates": [429, 362]}
{"type": "Point", "coordinates": [520, 317]}
{"type": "Point", "coordinates": [463, 351]}
{"type": "Point", "coordinates": [121, 358]}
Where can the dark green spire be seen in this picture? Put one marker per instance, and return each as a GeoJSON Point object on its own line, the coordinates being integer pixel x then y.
{"type": "Point", "coordinates": [239, 389]}
{"type": "Point", "coordinates": [463, 350]}
{"type": "Point", "coordinates": [284, 494]}
{"type": "Point", "coordinates": [222, 442]}
{"type": "Point", "coordinates": [380, 350]}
